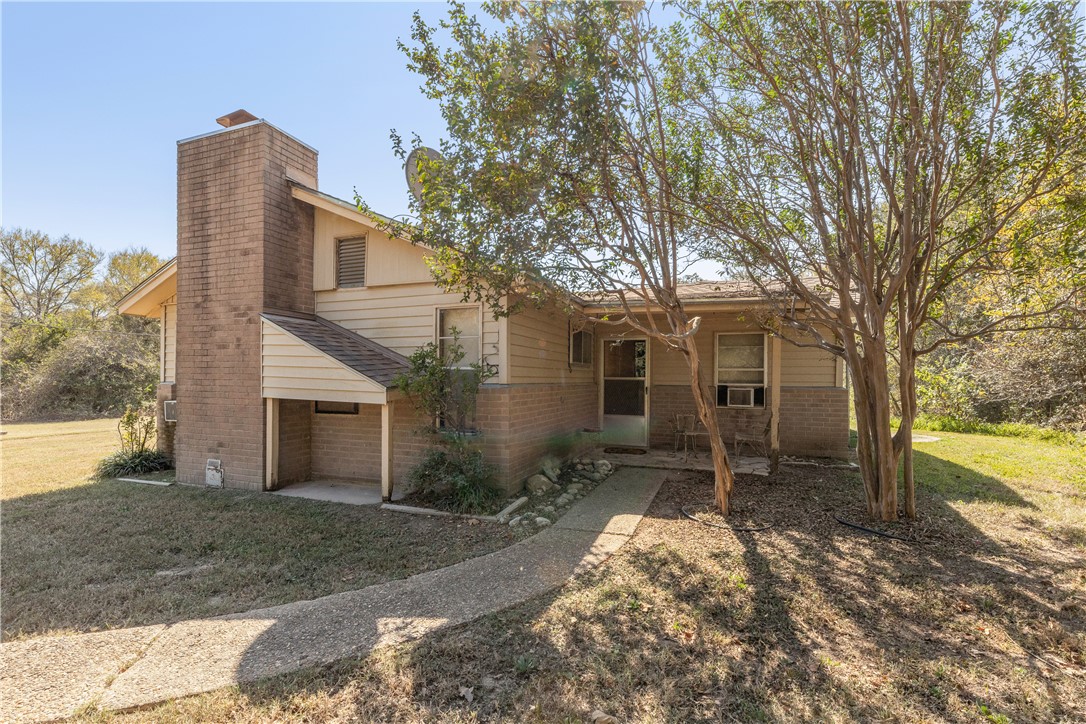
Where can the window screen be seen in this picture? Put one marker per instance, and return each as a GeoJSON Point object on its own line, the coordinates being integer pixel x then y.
{"type": "Point", "coordinates": [581, 344]}
{"type": "Point", "coordinates": [462, 321]}
{"type": "Point", "coordinates": [351, 263]}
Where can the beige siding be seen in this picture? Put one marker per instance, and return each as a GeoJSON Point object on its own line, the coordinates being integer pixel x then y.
{"type": "Point", "coordinates": [807, 367]}
{"type": "Point", "coordinates": [539, 349]}
{"type": "Point", "coordinates": [168, 355]}
{"type": "Point", "coordinates": [388, 261]}
{"type": "Point", "coordinates": [401, 317]}
{"type": "Point", "coordinates": [292, 370]}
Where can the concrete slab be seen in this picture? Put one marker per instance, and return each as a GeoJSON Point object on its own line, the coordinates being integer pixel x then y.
{"type": "Point", "coordinates": [618, 502]}
{"type": "Point", "coordinates": [337, 491]}
{"type": "Point", "coordinates": [50, 678]}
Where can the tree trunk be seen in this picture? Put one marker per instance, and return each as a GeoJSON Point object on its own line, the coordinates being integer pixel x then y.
{"type": "Point", "coordinates": [903, 440]}
{"type": "Point", "coordinates": [875, 443]}
{"type": "Point", "coordinates": [706, 406]}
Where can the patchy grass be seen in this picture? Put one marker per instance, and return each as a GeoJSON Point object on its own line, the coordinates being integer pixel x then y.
{"type": "Point", "coordinates": [983, 620]}
{"type": "Point", "coordinates": [82, 555]}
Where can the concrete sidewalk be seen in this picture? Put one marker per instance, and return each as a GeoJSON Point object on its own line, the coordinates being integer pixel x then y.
{"type": "Point", "coordinates": [53, 677]}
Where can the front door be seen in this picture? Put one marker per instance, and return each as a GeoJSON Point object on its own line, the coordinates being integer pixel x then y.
{"type": "Point", "coordinates": [625, 392]}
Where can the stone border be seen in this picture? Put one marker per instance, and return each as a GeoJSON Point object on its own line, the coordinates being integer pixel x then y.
{"type": "Point", "coordinates": [500, 517]}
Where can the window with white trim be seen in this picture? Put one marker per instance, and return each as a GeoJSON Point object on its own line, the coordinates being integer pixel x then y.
{"type": "Point", "coordinates": [465, 323]}
{"type": "Point", "coordinates": [351, 262]}
{"type": "Point", "coordinates": [581, 345]}
{"type": "Point", "coordinates": [740, 369]}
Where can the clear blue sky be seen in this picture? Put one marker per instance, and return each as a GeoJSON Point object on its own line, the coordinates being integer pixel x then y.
{"type": "Point", "coordinates": [96, 95]}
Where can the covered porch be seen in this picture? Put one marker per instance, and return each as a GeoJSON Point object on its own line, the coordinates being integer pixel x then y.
{"type": "Point", "coordinates": [330, 405]}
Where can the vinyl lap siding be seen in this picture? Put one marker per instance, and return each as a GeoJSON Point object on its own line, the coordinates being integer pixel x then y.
{"type": "Point", "coordinates": [292, 370]}
{"type": "Point", "coordinates": [539, 349]}
{"type": "Point", "coordinates": [400, 317]}
{"type": "Point", "coordinates": [807, 367]}
{"type": "Point", "coordinates": [168, 358]}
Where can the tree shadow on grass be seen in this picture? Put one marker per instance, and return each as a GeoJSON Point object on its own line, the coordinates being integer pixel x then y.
{"type": "Point", "coordinates": [809, 620]}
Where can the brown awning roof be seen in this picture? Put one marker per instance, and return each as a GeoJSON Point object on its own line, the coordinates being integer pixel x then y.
{"type": "Point", "coordinates": [362, 355]}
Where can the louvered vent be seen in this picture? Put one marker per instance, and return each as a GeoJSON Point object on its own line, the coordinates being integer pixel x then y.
{"type": "Point", "coordinates": [351, 263]}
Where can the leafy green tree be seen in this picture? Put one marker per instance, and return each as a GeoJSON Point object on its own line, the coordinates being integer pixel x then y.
{"type": "Point", "coordinates": [39, 274]}
{"type": "Point", "coordinates": [879, 161]}
{"type": "Point", "coordinates": [564, 170]}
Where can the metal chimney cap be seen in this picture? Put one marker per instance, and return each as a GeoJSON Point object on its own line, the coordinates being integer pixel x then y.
{"type": "Point", "coordinates": [236, 118]}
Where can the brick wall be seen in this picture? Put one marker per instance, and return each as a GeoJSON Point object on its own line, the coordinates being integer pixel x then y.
{"type": "Point", "coordinates": [523, 423]}
{"type": "Point", "coordinates": [164, 431]}
{"type": "Point", "coordinates": [349, 446]}
{"type": "Point", "coordinates": [241, 248]}
{"type": "Point", "coordinates": [295, 437]}
{"type": "Point", "coordinates": [814, 420]}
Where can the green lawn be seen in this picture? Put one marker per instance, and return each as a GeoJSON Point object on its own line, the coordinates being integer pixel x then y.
{"type": "Point", "coordinates": [81, 555]}
{"type": "Point", "coordinates": [982, 620]}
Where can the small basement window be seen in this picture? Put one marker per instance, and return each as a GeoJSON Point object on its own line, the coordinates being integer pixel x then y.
{"type": "Point", "coordinates": [324, 407]}
{"type": "Point", "coordinates": [581, 345]}
{"type": "Point", "coordinates": [740, 370]}
{"type": "Point", "coordinates": [351, 262]}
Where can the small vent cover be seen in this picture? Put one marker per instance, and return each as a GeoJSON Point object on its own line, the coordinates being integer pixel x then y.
{"type": "Point", "coordinates": [213, 473]}
{"type": "Point", "coordinates": [169, 410]}
{"type": "Point", "coordinates": [351, 263]}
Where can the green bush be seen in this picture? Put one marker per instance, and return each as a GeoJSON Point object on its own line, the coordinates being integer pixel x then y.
{"type": "Point", "coordinates": [121, 464]}
{"type": "Point", "coordinates": [455, 477]}
{"type": "Point", "coordinates": [136, 456]}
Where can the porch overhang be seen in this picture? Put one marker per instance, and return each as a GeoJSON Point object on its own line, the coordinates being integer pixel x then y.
{"type": "Point", "coordinates": [308, 358]}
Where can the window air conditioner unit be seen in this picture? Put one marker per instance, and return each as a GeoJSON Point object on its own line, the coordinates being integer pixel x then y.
{"type": "Point", "coordinates": [169, 410]}
{"type": "Point", "coordinates": [740, 396]}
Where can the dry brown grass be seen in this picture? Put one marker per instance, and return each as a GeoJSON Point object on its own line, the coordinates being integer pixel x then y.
{"type": "Point", "coordinates": [82, 555]}
{"type": "Point", "coordinates": [983, 620]}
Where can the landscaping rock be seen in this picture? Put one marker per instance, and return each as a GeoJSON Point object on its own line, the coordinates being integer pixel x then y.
{"type": "Point", "coordinates": [573, 488]}
{"type": "Point", "coordinates": [551, 467]}
{"type": "Point", "coordinates": [603, 467]}
{"type": "Point", "coordinates": [542, 522]}
{"type": "Point", "coordinates": [514, 521]}
{"type": "Point", "coordinates": [538, 484]}
{"type": "Point", "coordinates": [548, 509]}
{"type": "Point", "coordinates": [595, 477]}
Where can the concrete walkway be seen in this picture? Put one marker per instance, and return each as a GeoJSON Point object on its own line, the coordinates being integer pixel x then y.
{"type": "Point", "coordinates": [53, 677]}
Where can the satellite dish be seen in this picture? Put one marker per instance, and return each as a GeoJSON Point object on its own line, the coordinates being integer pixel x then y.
{"type": "Point", "coordinates": [411, 168]}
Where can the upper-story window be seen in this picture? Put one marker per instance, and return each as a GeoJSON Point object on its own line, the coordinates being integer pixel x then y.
{"type": "Point", "coordinates": [581, 344]}
{"type": "Point", "coordinates": [351, 262]}
{"type": "Point", "coordinates": [740, 370]}
{"type": "Point", "coordinates": [465, 323]}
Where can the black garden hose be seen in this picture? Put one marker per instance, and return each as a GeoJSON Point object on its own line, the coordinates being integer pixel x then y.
{"type": "Point", "coordinates": [872, 531]}
{"type": "Point", "coordinates": [736, 528]}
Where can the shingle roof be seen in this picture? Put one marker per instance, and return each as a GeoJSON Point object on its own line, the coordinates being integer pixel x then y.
{"type": "Point", "coordinates": [362, 355]}
{"type": "Point", "coordinates": [700, 292]}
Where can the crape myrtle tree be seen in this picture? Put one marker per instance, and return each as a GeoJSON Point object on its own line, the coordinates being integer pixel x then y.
{"type": "Point", "coordinates": [565, 167]}
{"type": "Point", "coordinates": [880, 160]}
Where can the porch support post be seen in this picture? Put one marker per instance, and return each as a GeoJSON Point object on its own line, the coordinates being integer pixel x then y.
{"type": "Point", "coordinates": [271, 443]}
{"type": "Point", "coordinates": [386, 451]}
{"type": "Point", "coordinates": [775, 343]}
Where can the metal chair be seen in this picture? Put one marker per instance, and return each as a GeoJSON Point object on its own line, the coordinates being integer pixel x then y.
{"type": "Point", "coordinates": [687, 428]}
{"type": "Point", "coordinates": [754, 438]}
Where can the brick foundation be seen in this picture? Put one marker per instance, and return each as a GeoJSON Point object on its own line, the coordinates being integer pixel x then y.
{"type": "Point", "coordinates": [814, 420]}
{"type": "Point", "coordinates": [295, 441]}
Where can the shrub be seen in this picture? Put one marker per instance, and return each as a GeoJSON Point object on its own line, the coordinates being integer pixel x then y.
{"type": "Point", "coordinates": [121, 464]}
{"type": "Point", "coordinates": [136, 456]}
{"type": "Point", "coordinates": [90, 373]}
{"type": "Point", "coordinates": [455, 477]}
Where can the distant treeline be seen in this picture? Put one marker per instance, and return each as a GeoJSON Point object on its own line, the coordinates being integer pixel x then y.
{"type": "Point", "coordinates": [66, 352]}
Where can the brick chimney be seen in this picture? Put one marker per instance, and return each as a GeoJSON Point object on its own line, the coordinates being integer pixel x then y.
{"type": "Point", "coordinates": [244, 245]}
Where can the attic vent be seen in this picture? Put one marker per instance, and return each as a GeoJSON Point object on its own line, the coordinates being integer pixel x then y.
{"type": "Point", "coordinates": [351, 262]}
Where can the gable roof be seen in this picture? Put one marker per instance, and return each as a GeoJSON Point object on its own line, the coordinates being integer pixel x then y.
{"type": "Point", "coordinates": [144, 299]}
{"type": "Point", "coordinates": [733, 291]}
{"type": "Point", "coordinates": [364, 356]}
